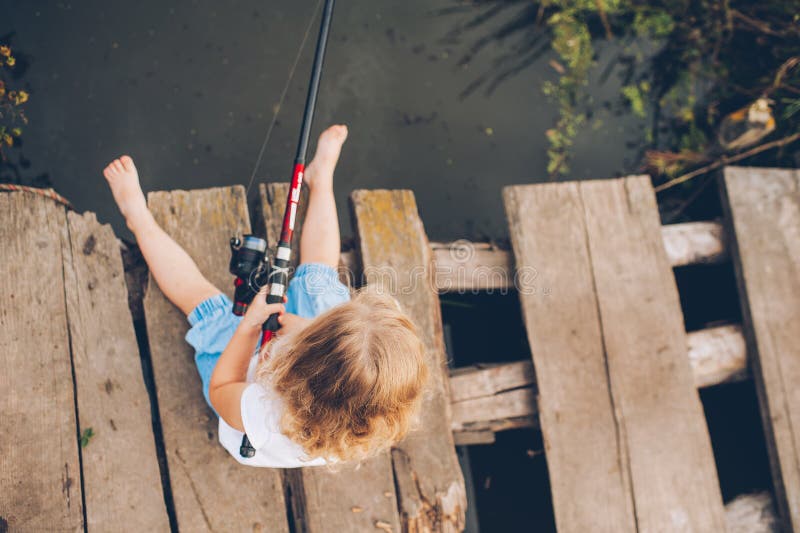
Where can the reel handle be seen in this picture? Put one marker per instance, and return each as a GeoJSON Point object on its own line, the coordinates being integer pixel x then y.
{"type": "Point", "coordinates": [272, 323]}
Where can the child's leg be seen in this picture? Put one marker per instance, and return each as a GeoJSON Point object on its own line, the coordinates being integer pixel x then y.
{"type": "Point", "coordinates": [320, 242]}
{"type": "Point", "coordinates": [176, 274]}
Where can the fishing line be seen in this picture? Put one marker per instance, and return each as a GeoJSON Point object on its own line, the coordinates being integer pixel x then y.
{"type": "Point", "coordinates": [282, 98]}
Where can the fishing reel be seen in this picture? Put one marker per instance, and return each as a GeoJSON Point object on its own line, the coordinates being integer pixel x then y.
{"type": "Point", "coordinates": [250, 266]}
{"type": "Point", "coordinates": [252, 270]}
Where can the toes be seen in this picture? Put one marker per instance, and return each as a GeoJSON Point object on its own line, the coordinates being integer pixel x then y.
{"type": "Point", "coordinates": [332, 139]}
{"type": "Point", "coordinates": [339, 131]}
{"type": "Point", "coordinates": [119, 166]}
{"type": "Point", "coordinates": [127, 163]}
{"type": "Point", "coordinates": [110, 170]}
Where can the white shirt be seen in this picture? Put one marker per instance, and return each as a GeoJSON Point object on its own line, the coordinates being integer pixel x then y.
{"type": "Point", "coordinates": [262, 408]}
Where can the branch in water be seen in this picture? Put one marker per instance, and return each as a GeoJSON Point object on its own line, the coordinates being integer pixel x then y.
{"type": "Point", "coordinates": [724, 160]}
{"type": "Point", "coordinates": [604, 19]}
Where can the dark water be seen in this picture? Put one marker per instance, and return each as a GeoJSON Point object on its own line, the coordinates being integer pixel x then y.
{"type": "Point", "coordinates": [188, 89]}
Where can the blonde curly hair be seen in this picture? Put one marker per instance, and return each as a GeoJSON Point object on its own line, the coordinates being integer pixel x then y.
{"type": "Point", "coordinates": [351, 381]}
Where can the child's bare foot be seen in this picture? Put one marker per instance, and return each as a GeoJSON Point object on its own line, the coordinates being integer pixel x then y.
{"type": "Point", "coordinates": [124, 182]}
{"type": "Point", "coordinates": [320, 171]}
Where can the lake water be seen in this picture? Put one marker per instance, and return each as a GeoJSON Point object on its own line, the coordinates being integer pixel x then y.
{"type": "Point", "coordinates": [188, 89]}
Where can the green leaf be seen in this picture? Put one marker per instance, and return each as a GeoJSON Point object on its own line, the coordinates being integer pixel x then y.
{"type": "Point", "coordinates": [87, 434]}
{"type": "Point", "coordinates": [654, 24]}
{"type": "Point", "coordinates": [636, 100]}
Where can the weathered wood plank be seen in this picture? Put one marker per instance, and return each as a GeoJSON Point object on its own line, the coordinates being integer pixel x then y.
{"type": "Point", "coordinates": [487, 382]}
{"type": "Point", "coordinates": [121, 479]}
{"type": "Point", "coordinates": [510, 404]}
{"type": "Point", "coordinates": [40, 484]}
{"type": "Point", "coordinates": [598, 249]}
{"type": "Point", "coordinates": [497, 425]}
{"type": "Point", "coordinates": [692, 243]}
{"type": "Point", "coordinates": [752, 513]}
{"type": "Point", "coordinates": [211, 491]}
{"type": "Point", "coordinates": [352, 498]}
{"type": "Point", "coordinates": [717, 355]}
{"type": "Point", "coordinates": [470, 438]}
{"type": "Point", "coordinates": [658, 412]}
{"type": "Point", "coordinates": [468, 266]}
{"type": "Point", "coordinates": [322, 500]}
{"type": "Point", "coordinates": [763, 207]}
{"type": "Point", "coordinates": [463, 266]}
{"type": "Point", "coordinates": [395, 253]}
{"type": "Point", "coordinates": [585, 454]}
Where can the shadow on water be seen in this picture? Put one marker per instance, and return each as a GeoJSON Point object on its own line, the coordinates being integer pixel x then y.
{"type": "Point", "coordinates": [517, 21]}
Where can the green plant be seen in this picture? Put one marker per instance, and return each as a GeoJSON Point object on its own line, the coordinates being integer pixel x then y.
{"type": "Point", "coordinates": [12, 100]}
{"type": "Point", "coordinates": [86, 436]}
{"type": "Point", "coordinates": [687, 65]}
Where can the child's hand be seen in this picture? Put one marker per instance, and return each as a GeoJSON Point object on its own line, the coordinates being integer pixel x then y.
{"type": "Point", "coordinates": [259, 310]}
{"type": "Point", "coordinates": [291, 323]}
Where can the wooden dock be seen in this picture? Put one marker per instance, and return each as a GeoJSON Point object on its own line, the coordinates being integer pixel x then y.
{"type": "Point", "coordinates": [612, 382]}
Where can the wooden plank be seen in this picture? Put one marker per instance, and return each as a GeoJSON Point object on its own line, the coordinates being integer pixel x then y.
{"type": "Point", "coordinates": [121, 479]}
{"type": "Point", "coordinates": [496, 425]}
{"type": "Point", "coordinates": [211, 491]}
{"type": "Point", "coordinates": [611, 299]}
{"type": "Point", "coordinates": [395, 250]}
{"type": "Point", "coordinates": [717, 355]}
{"type": "Point", "coordinates": [324, 500]}
{"type": "Point", "coordinates": [477, 367]}
{"type": "Point", "coordinates": [658, 412]}
{"type": "Point", "coordinates": [352, 498]}
{"type": "Point", "coordinates": [763, 207]}
{"type": "Point", "coordinates": [490, 381]}
{"type": "Point", "coordinates": [693, 243]}
{"type": "Point", "coordinates": [752, 513]}
{"type": "Point", "coordinates": [471, 438]}
{"type": "Point", "coordinates": [40, 485]}
{"type": "Point", "coordinates": [510, 404]}
{"type": "Point", "coordinates": [463, 266]}
{"type": "Point", "coordinates": [585, 454]}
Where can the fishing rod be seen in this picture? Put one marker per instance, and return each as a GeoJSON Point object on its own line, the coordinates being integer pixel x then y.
{"type": "Point", "coordinates": [279, 277]}
{"type": "Point", "coordinates": [248, 261]}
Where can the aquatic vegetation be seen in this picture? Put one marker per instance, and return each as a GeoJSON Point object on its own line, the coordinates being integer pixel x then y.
{"type": "Point", "coordinates": [695, 72]}
{"type": "Point", "coordinates": [12, 114]}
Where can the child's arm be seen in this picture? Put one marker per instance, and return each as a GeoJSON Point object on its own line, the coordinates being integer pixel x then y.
{"type": "Point", "coordinates": [230, 373]}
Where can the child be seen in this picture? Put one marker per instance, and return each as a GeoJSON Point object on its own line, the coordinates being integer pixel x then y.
{"type": "Point", "coordinates": [343, 378]}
